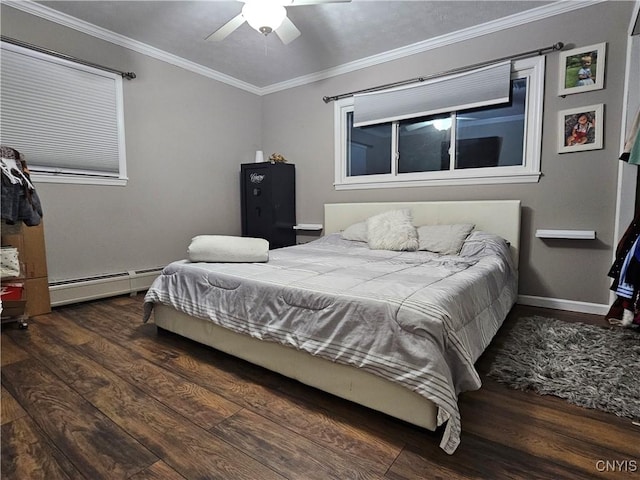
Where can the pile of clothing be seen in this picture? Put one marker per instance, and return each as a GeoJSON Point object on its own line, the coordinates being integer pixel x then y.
{"type": "Point", "coordinates": [625, 272]}
{"type": "Point", "coordinates": [19, 201]}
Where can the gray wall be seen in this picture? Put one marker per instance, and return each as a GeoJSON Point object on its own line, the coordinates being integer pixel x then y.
{"type": "Point", "coordinates": [576, 190]}
{"type": "Point", "coordinates": [186, 136]}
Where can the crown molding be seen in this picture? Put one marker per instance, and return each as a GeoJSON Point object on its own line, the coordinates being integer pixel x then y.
{"type": "Point", "coordinates": [515, 20]}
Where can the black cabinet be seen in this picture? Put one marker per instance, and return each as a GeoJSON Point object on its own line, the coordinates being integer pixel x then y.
{"type": "Point", "coordinates": [269, 202]}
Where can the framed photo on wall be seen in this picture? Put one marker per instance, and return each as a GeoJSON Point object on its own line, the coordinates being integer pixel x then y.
{"type": "Point", "coordinates": [582, 69]}
{"type": "Point", "coordinates": [580, 129]}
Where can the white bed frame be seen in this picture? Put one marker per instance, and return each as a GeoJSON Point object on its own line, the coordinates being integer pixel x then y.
{"type": "Point", "coordinates": [495, 216]}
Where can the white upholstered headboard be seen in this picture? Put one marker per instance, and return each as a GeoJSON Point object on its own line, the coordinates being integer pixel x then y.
{"type": "Point", "coordinates": [501, 217]}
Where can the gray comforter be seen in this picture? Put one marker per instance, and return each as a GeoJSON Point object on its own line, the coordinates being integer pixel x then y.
{"type": "Point", "coordinates": [415, 318]}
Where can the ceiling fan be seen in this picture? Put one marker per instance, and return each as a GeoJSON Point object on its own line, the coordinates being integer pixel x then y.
{"type": "Point", "coordinates": [267, 16]}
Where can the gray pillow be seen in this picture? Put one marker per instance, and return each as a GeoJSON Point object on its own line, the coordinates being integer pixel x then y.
{"type": "Point", "coordinates": [356, 232]}
{"type": "Point", "coordinates": [443, 239]}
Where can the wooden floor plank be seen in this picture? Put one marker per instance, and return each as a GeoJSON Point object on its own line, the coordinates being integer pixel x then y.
{"type": "Point", "coordinates": [95, 445]}
{"type": "Point", "coordinates": [190, 450]}
{"type": "Point", "coordinates": [550, 401]}
{"type": "Point", "coordinates": [291, 455]}
{"type": "Point", "coordinates": [539, 438]}
{"type": "Point", "coordinates": [340, 434]}
{"type": "Point", "coordinates": [27, 454]}
{"type": "Point", "coordinates": [158, 471]}
{"type": "Point", "coordinates": [606, 432]}
{"type": "Point", "coordinates": [65, 329]}
{"type": "Point", "coordinates": [74, 369]}
{"type": "Point", "coordinates": [198, 454]}
{"type": "Point", "coordinates": [189, 399]}
{"type": "Point", "coordinates": [477, 458]}
{"type": "Point", "coordinates": [10, 409]}
{"type": "Point", "coordinates": [119, 325]}
{"type": "Point", "coordinates": [9, 351]}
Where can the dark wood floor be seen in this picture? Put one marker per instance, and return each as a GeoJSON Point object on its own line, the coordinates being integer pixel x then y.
{"type": "Point", "coordinates": [89, 392]}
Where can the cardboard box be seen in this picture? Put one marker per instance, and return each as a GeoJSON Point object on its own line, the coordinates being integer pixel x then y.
{"type": "Point", "coordinates": [13, 308]}
{"type": "Point", "coordinates": [37, 296]}
{"type": "Point", "coordinates": [31, 247]}
{"type": "Point", "coordinates": [32, 254]}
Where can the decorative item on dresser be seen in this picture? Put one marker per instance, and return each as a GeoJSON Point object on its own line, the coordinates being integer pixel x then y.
{"type": "Point", "coordinates": [269, 202]}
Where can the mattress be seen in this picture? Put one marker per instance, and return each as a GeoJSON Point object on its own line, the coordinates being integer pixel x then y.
{"type": "Point", "coordinates": [417, 319]}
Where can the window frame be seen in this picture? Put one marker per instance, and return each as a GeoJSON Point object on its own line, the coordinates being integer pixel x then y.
{"type": "Point", "coordinates": [531, 68]}
{"type": "Point", "coordinates": [80, 175]}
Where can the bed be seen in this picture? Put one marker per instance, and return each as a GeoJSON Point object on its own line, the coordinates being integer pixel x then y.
{"type": "Point", "coordinates": [395, 331]}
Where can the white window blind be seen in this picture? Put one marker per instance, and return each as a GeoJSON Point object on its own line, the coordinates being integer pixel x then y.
{"type": "Point", "coordinates": [66, 118]}
{"type": "Point", "coordinates": [481, 87]}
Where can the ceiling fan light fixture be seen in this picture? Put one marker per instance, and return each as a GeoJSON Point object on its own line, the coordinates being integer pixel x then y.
{"type": "Point", "coordinates": [264, 16]}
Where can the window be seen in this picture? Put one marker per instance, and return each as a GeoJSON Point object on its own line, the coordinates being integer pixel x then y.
{"type": "Point", "coordinates": [66, 118]}
{"type": "Point", "coordinates": [489, 144]}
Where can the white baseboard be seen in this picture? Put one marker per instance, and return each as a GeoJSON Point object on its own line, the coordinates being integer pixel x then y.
{"type": "Point", "coordinates": [561, 304]}
{"type": "Point", "coordinates": [84, 289]}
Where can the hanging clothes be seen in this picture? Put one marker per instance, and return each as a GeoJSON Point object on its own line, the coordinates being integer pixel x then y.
{"type": "Point", "coordinates": [625, 272]}
{"type": "Point", "coordinates": [19, 199]}
{"type": "Point", "coordinates": [625, 245]}
{"type": "Point", "coordinates": [626, 287]}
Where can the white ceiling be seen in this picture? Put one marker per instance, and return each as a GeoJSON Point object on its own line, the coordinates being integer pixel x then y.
{"type": "Point", "coordinates": [333, 36]}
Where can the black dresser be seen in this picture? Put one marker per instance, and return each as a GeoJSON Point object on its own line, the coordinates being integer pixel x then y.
{"type": "Point", "coordinates": [269, 202]}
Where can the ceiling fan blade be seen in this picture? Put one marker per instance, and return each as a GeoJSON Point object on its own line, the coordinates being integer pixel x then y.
{"type": "Point", "coordinates": [287, 32]}
{"type": "Point", "coordinates": [225, 30]}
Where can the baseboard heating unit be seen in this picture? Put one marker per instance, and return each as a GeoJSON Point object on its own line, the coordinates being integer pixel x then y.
{"type": "Point", "coordinates": [101, 286]}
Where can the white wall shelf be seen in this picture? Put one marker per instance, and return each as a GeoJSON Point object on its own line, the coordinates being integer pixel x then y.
{"type": "Point", "coordinates": [567, 234]}
{"type": "Point", "coordinates": [308, 226]}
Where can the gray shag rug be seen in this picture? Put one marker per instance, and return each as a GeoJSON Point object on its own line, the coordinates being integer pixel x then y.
{"type": "Point", "coordinates": [591, 366]}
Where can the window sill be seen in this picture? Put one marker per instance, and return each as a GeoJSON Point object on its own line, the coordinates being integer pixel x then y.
{"type": "Point", "coordinates": [516, 178]}
{"type": "Point", "coordinates": [78, 180]}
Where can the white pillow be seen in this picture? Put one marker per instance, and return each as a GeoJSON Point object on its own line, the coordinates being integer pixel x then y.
{"type": "Point", "coordinates": [228, 249]}
{"type": "Point", "coordinates": [356, 232]}
{"type": "Point", "coordinates": [392, 230]}
{"type": "Point", "coordinates": [444, 239]}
